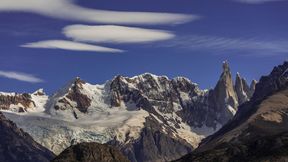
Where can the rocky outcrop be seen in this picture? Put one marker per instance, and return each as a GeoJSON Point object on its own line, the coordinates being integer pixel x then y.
{"type": "Point", "coordinates": [18, 146]}
{"type": "Point", "coordinates": [39, 92]}
{"type": "Point", "coordinates": [258, 132]}
{"type": "Point", "coordinates": [277, 80]}
{"type": "Point", "coordinates": [90, 152]}
{"type": "Point", "coordinates": [242, 89]}
{"type": "Point", "coordinates": [71, 98]}
{"type": "Point", "coordinates": [249, 91]}
{"type": "Point", "coordinates": [16, 102]}
{"type": "Point", "coordinates": [83, 102]}
{"type": "Point", "coordinates": [252, 87]}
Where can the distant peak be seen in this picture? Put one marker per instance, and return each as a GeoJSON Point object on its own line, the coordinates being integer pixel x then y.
{"type": "Point", "coordinates": [78, 80]}
{"type": "Point", "coordinates": [39, 92]}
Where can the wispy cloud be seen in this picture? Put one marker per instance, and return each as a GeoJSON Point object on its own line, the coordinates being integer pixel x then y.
{"type": "Point", "coordinates": [66, 9]}
{"type": "Point", "coordinates": [257, 1]}
{"type": "Point", "coordinates": [20, 76]}
{"type": "Point", "coordinates": [115, 34]}
{"type": "Point", "coordinates": [214, 43]}
{"type": "Point", "coordinates": [69, 45]}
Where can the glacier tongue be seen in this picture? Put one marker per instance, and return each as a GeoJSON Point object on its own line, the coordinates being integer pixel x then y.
{"type": "Point", "coordinates": [58, 133]}
{"type": "Point", "coordinates": [59, 129]}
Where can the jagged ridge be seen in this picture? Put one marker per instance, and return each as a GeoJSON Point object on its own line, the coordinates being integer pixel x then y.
{"type": "Point", "coordinates": [173, 114]}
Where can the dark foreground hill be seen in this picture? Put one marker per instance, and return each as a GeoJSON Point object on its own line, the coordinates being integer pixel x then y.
{"type": "Point", "coordinates": [18, 146]}
{"type": "Point", "coordinates": [90, 152]}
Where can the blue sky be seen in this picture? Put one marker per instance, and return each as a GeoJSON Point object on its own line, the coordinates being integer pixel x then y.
{"type": "Point", "coordinates": [45, 43]}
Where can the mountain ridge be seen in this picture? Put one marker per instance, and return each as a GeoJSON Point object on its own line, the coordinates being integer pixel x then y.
{"type": "Point", "coordinates": [131, 112]}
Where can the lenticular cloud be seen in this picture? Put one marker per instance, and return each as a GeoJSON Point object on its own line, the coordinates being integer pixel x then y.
{"type": "Point", "coordinates": [115, 34]}
{"type": "Point", "coordinates": [69, 45]}
{"type": "Point", "coordinates": [66, 9]}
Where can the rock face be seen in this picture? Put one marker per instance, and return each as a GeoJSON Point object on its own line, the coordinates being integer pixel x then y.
{"type": "Point", "coordinates": [165, 100]}
{"type": "Point", "coordinates": [73, 98]}
{"type": "Point", "coordinates": [16, 102]}
{"type": "Point", "coordinates": [258, 132]}
{"type": "Point", "coordinates": [252, 87]}
{"type": "Point", "coordinates": [154, 144]}
{"type": "Point", "coordinates": [18, 146]}
{"type": "Point", "coordinates": [90, 152]}
{"type": "Point", "coordinates": [242, 89]}
{"type": "Point", "coordinates": [148, 117]}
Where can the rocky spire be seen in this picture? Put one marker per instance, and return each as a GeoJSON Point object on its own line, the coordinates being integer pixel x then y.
{"type": "Point", "coordinates": [240, 90]}
{"type": "Point", "coordinates": [225, 98]}
{"type": "Point", "coordinates": [252, 86]}
{"type": "Point", "coordinates": [226, 68]}
{"type": "Point", "coordinates": [246, 87]}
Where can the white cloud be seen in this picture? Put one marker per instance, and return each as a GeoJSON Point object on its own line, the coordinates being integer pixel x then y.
{"type": "Point", "coordinates": [214, 43]}
{"type": "Point", "coordinates": [66, 9]}
{"type": "Point", "coordinates": [257, 1]}
{"type": "Point", "coordinates": [69, 45]}
{"type": "Point", "coordinates": [20, 76]}
{"type": "Point", "coordinates": [115, 34]}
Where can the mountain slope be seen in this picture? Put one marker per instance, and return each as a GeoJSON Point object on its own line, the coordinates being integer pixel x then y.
{"type": "Point", "coordinates": [259, 130]}
{"type": "Point", "coordinates": [90, 152]}
{"type": "Point", "coordinates": [18, 146]}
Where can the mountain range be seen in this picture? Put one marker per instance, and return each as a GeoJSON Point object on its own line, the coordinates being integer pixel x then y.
{"type": "Point", "coordinates": [147, 117]}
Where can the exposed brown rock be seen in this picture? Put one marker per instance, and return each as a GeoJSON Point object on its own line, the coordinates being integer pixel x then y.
{"type": "Point", "coordinates": [90, 152]}
{"type": "Point", "coordinates": [83, 102]}
{"type": "Point", "coordinates": [66, 104]}
{"type": "Point", "coordinates": [15, 99]}
{"type": "Point", "coordinates": [74, 94]}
